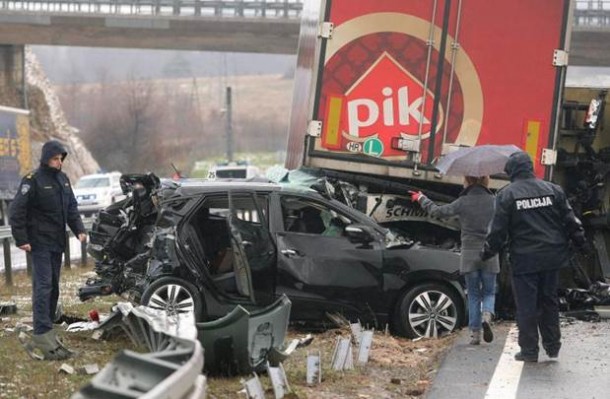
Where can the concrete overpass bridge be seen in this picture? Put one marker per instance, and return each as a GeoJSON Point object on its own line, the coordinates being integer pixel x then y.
{"type": "Point", "coordinates": [259, 26]}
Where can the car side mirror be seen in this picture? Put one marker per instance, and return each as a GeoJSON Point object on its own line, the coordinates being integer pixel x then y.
{"type": "Point", "coordinates": [359, 234]}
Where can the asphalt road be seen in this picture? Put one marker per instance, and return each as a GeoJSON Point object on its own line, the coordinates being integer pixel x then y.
{"type": "Point", "coordinates": [489, 370]}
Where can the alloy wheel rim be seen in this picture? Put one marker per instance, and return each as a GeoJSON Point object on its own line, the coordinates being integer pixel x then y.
{"type": "Point", "coordinates": [172, 298]}
{"type": "Point", "coordinates": [432, 313]}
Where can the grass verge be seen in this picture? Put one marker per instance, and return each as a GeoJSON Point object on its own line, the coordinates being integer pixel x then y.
{"type": "Point", "coordinates": [397, 367]}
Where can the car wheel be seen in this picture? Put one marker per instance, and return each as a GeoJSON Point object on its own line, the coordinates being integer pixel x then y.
{"type": "Point", "coordinates": [174, 295]}
{"type": "Point", "coordinates": [428, 310]}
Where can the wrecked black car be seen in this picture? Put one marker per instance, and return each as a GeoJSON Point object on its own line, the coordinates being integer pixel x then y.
{"type": "Point", "coordinates": [121, 236]}
{"type": "Point", "coordinates": [215, 245]}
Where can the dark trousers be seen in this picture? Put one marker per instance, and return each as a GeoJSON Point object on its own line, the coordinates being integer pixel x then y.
{"type": "Point", "coordinates": [45, 288]}
{"type": "Point", "coordinates": [537, 309]}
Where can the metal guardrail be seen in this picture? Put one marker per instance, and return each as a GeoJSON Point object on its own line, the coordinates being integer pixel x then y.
{"type": "Point", "coordinates": [8, 243]}
{"type": "Point", "coordinates": [593, 14]}
{"type": "Point", "coordinates": [172, 369]}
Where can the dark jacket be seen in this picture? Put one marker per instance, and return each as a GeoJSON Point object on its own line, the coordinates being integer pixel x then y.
{"type": "Point", "coordinates": [536, 218]}
{"type": "Point", "coordinates": [44, 204]}
{"type": "Point", "coordinates": [475, 208]}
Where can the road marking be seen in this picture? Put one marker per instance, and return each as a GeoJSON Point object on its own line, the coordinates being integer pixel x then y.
{"type": "Point", "coordinates": [505, 381]}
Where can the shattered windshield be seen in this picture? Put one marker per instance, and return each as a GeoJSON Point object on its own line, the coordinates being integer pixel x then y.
{"type": "Point", "coordinates": [393, 239]}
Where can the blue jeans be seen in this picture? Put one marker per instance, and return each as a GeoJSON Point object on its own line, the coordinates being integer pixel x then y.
{"type": "Point", "coordinates": [45, 288]}
{"type": "Point", "coordinates": [481, 288]}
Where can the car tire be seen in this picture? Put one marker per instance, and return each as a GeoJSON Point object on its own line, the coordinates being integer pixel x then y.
{"type": "Point", "coordinates": [174, 295]}
{"type": "Point", "coordinates": [428, 310]}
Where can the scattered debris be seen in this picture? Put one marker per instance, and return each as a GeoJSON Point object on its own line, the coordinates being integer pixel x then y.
{"type": "Point", "coordinates": [590, 304]}
{"type": "Point", "coordinates": [279, 381]}
{"type": "Point", "coordinates": [23, 327]}
{"type": "Point", "coordinates": [97, 335]}
{"type": "Point", "coordinates": [342, 358]}
{"type": "Point", "coordinates": [278, 356]}
{"type": "Point", "coordinates": [94, 315]}
{"type": "Point", "coordinates": [7, 308]}
{"type": "Point", "coordinates": [314, 368]}
{"type": "Point", "coordinates": [89, 369]}
{"type": "Point", "coordinates": [66, 368]}
{"type": "Point", "coordinates": [69, 319]}
{"type": "Point", "coordinates": [254, 388]}
{"type": "Point", "coordinates": [82, 326]}
{"type": "Point", "coordinates": [172, 370]}
{"type": "Point", "coordinates": [356, 332]}
{"type": "Point", "coordinates": [366, 340]}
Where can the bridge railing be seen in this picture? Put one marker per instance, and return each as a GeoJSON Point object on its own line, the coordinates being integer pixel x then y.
{"type": "Point", "coordinates": [220, 8]}
{"type": "Point", "coordinates": [592, 14]}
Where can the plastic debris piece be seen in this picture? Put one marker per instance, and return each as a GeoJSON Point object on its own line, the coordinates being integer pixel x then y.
{"type": "Point", "coordinates": [356, 332]}
{"type": "Point", "coordinates": [97, 334]}
{"type": "Point", "coordinates": [7, 308]}
{"type": "Point", "coordinates": [279, 381]}
{"type": "Point", "coordinates": [365, 347]}
{"type": "Point", "coordinates": [89, 369]}
{"type": "Point", "coordinates": [82, 326]}
{"type": "Point", "coordinates": [254, 388]}
{"type": "Point", "coordinates": [342, 355]}
{"type": "Point", "coordinates": [314, 369]}
{"type": "Point", "coordinates": [66, 368]}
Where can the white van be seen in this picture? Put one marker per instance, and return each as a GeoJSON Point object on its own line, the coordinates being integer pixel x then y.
{"type": "Point", "coordinates": [97, 191]}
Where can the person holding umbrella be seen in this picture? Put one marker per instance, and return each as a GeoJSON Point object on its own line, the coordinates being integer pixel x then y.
{"type": "Point", "coordinates": [475, 209]}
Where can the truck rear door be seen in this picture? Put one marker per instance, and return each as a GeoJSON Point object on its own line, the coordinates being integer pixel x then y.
{"type": "Point", "coordinates": [397, 84]}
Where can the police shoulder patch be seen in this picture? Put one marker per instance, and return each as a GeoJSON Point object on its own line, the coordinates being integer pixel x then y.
{"type": "Point", "coordinates": [25, 188]}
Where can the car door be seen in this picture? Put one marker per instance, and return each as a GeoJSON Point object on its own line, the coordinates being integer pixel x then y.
{"type": "Point", "coordinates": [254, 253]}
{"type": "Point", "coordinates": [318, 267]}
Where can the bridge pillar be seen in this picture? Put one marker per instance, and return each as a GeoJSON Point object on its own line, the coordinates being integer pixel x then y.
{"type": "Point", "coordinates": [12, 76]}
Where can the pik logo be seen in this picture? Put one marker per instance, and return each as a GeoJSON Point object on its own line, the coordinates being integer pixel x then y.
{"type": "Point", "coordinates": [385, 102]}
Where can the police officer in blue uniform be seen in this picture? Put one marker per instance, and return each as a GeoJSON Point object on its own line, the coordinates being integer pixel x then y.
{"type": "Point", "coordinates": [538, 221]}
{"type": "Point", "coordinates": [44, 204]}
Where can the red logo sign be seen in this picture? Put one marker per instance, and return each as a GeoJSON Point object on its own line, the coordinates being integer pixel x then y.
{"type": "Point", "coordinates": [385, 102]}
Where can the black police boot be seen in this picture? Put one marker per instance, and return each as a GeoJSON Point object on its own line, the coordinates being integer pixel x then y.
{"type": "Point", "coordinates": [521, 357]}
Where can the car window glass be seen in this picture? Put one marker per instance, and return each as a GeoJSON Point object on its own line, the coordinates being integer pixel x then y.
{"type": "Point", "coordinates": [245, 208]}
{"type": "Point", "coordinates": [305, 216]}
{"type": "Point", "coordinates": [210, 224]}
